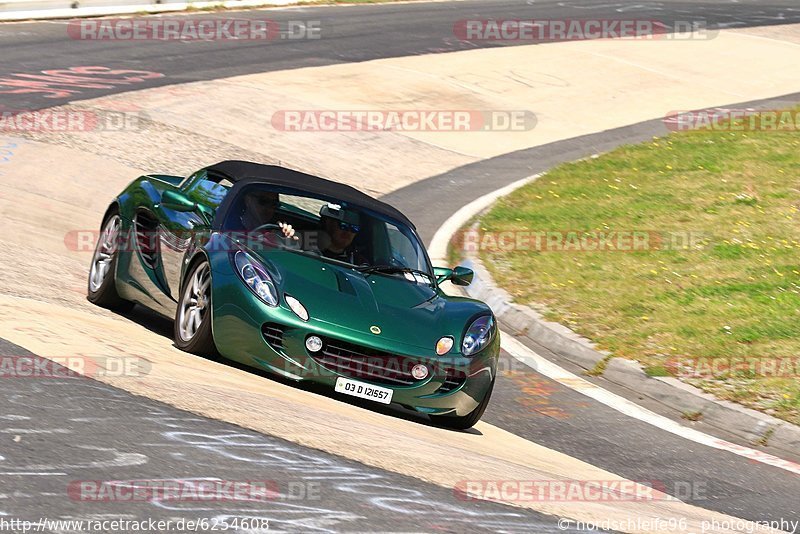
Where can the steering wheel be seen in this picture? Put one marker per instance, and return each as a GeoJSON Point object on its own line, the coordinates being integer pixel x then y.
{"type": "Point", "coordinates": [276, 228]}
{"type": "Point", "coordinates": [267, 226]}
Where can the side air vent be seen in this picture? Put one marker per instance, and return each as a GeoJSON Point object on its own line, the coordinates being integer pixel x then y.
{"type": "Point", "coordinates": [145, 228]}
{"type": "Point", "coordinates": [453, 380]}
{"type": "Point", "coordinates": [273, 335]}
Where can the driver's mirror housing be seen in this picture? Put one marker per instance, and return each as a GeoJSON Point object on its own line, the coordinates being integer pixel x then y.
{"type": "Point", "coordinates": [460, 276]}
{"type": "Point", "coordinates": [177, 201]}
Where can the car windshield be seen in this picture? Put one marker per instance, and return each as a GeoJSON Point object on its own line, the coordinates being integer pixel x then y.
{"type": "Point", "coordinates": [331, 230]}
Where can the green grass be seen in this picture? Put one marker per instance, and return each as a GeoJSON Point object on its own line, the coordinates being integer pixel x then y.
{"type": "Point", "coordinates": [734, 292]}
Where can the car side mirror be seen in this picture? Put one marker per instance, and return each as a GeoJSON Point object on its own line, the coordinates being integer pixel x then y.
{"type": "Point", "coordinates": [177, 201]}
{"type": "Point", "coordinates": [460, 276]}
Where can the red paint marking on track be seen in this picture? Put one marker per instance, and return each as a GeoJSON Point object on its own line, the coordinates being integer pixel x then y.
{"type": "Point", "coordinates": [62, 83]}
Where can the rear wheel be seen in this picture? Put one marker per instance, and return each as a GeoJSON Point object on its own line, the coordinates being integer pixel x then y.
{"type": "Point", "coordinates": [102, 272]}
{"type": "Point", "coordinates": [466, 421]}
{"type": "Point", "coordinates": [192, 330]}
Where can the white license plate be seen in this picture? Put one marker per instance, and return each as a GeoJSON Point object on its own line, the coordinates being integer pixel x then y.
{"type": "Point", "coordinates": [363, 390]}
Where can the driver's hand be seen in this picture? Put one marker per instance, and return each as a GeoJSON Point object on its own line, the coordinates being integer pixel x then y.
{"type": "Point", "coordinates": [288, 231]}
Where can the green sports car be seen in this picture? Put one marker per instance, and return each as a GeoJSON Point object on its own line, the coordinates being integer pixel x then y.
{"type": "Point", "coordinates": [303, 277]}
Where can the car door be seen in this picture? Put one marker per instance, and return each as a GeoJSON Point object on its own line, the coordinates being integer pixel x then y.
{"type": "Point", "coordinates": [179, 231]}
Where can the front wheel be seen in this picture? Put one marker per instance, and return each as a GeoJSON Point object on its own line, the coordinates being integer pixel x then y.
{"type": "Point", "coordinates": [192, 330]}
{"type": "Point", "coordinates": [466, 421]}
{"type": "Point", "coordinates": [102, 288]}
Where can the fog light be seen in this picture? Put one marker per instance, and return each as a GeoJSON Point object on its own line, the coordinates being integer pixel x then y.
{"type": "Point", "coordinates": [419, 371]}
{"type": "Point", "coordinates": [444, 345]}
{"type": "Point", "coordinates": [313, 344]}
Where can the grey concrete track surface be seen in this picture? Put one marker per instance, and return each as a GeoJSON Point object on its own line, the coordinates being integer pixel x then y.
{"type": "Point", "coordinates": [568, 423]}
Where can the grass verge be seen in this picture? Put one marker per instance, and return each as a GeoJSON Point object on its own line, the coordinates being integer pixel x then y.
{"type": "Point", "coordinates": [708, 291]}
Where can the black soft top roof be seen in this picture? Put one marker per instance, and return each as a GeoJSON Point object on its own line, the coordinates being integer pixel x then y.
{"type": "Point", "coordinates": [237, 171]}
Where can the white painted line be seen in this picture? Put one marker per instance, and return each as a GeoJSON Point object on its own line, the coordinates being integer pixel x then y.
{"type": "Point", "coordinates": [174, 7]}
{"type": "Point", "coordinates": [584, 387]}
{"type": "Point", "coordinates": [35, 431]}
{"type": "Point", "coordinates": [438, 247]}
{"type": "Point", "coordinates": [33, 474]}
{"type": "Point", "coordinates": [134, 9]}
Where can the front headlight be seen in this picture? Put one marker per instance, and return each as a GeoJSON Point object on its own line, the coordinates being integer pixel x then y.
{"type": "Point", "coordinates": [478, 335]}
{"type": "Point", "coordinates": [255, 277]}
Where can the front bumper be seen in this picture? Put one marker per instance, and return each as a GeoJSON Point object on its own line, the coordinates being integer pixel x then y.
{"type": "Point", "coordinates": [455, 384]}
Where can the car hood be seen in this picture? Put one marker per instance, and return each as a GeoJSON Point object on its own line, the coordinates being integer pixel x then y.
{"type": "Point", "coordinates": [405, 311]}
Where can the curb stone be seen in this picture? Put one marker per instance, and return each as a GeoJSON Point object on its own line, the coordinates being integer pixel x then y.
{"type": "Point", "coordinates": [526, 323]}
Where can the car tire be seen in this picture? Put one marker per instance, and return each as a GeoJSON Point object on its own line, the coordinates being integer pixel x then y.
{"type": "Point", "coordinates": [192, 327]}
{"type": "Point", "coordinates": [102, 283]}
{"type": "Point", "coordinates": [466, 421]}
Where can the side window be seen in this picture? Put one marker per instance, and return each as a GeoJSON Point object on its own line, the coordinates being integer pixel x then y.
{"type": "Point", "coordinates": [208, 192]}
{"type": "Point", "coordinates": [403, 248]}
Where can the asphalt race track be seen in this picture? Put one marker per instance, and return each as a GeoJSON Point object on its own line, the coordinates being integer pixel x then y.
{"type": "Point", "coordinates": [96, 423]}
{"type": "Point", "coordinates": [318, 490]}
{"type": "Point", "coordinates": [351, 34]}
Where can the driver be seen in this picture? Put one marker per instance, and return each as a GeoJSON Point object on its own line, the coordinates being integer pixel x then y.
{"type": "Point", "coordinates": [340, 228]}
{"type": "Point", "coordinates": [259, 209]}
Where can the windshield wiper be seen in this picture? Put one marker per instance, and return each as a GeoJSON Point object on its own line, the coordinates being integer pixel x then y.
{"type": "Point", "coordinates": [391, 269]}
